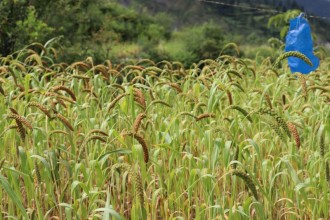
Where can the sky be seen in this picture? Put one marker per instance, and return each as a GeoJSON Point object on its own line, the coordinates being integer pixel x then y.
{"type": "Point", "coordinates": [317, 7]}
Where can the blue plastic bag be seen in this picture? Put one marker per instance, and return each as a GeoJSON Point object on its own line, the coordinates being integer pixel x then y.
{"type": "Point", "coordinates": [299, 38]}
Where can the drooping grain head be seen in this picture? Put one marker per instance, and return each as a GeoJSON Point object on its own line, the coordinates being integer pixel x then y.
{"type": "Point", "coordinates": [114, 102]}
{"type": "Point", "coordinates": [21, 119]}
{"type": "Point", "coordinates": [98, 131]}
{"type": "Point", "coordinates": [327, 171]}
{"type": "Point", "coordinates": [137, 122]}
{"type": "Point", "coordinates": [292, 54]}
{"type": "Point", "coordinates": [94, 137]}
{"type": "Point", "coordinates": [139, 98]}
{"type": "Point", "coordinates": [243, 111]}
{"type": "Point", "coordinates": [66, 89]}
{"type": "Point", "coordinates": [277, 130]}
{"type": "Point", "coordinates": [139, 191]}
{"type": "Point", "coordinates": [41, 108]}
{"type": "Point", "coordinates": [37, 173]}
{"type": "Point", "coordinates": [294, 133]}
{"type": "Point", "coordinates": [322, 145]}
{"type": "Point", "coordinates": [278, 119]}
{"type": "Point", "coordinates": [143, 143]}
{"type": "Point", "coordinates": [248, 181]}
{"type": "Point", "coordinates": [64, 120]}
{"type": "Point", "coordinates": [205, 115]}
{"type": "Point", "coordinates": [302, 80]}
{"type": "Point", "coordinates": [176, 87]}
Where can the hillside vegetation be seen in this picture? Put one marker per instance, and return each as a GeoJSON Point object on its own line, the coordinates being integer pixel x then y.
{"type": "Point", "coordinates": [185, 31]}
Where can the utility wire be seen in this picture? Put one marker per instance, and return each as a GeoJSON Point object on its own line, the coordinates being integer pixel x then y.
{"type": "Point", "coordinates": [258, 9]}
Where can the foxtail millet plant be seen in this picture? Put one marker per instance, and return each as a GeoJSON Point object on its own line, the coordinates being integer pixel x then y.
{"type": "Point", "coordinates": [294, 133]}
{"type": "Point", "coordinates": [292, 54]}
{"type": "Point", "coordinates": [248, 181]}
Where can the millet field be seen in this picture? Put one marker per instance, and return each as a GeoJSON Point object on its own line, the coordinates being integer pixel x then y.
{"type": "Point", "coordinates": [231, 138]}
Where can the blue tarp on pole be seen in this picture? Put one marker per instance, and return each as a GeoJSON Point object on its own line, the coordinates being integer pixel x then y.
{"type": "Point", "coordinates": [299, 38]}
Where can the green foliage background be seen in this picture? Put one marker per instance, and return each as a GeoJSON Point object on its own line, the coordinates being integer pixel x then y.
{"type": "Point", "coordinates": [185, 31]}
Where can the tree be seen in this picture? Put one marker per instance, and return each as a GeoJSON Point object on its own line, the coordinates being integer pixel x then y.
{"type": "Point", "coordinates": [281, 21]}
{"type": "Point", "coordinates": [10, 12]}
{"type": "Point", "coordinates": [20, 26]}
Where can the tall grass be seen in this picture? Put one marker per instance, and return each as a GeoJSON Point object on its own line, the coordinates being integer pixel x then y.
{"type": "Point", "coordinates": [159, 141]}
